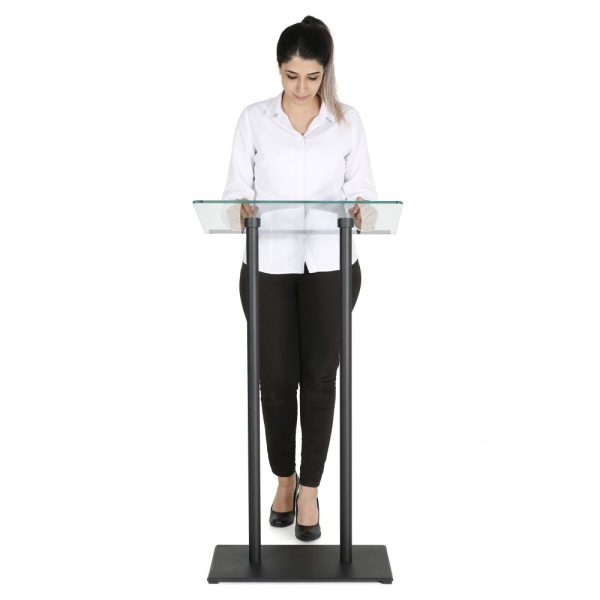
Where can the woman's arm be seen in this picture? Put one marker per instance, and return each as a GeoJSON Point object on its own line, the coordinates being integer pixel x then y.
{"type": "Point", "coordinates": [240, 177]}
{"type": "Point", "coordinates": [358, 180]}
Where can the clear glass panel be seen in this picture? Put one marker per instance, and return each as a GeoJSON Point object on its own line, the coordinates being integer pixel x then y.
{"type": "Point", "coordinates": [289, 216]}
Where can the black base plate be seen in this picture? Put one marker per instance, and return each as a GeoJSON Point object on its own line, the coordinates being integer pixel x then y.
{"type": "Point", "coordinates": [294, 562]}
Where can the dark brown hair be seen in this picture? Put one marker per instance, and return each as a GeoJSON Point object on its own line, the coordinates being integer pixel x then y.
{"type": "Point", "coordinates": [311, 40]}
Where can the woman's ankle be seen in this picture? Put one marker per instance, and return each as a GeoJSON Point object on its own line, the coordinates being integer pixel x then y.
{"type": "Point", "coordinates": [287, 481]}
{"type": "Point", "coordinates": [308, 492]}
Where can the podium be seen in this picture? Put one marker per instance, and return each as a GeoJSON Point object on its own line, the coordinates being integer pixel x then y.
{"type": "Point", "coordinates": [299, 561]}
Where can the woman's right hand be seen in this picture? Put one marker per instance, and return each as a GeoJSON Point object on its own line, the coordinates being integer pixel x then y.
{"type": "Point", "coordinates": [246, 210]}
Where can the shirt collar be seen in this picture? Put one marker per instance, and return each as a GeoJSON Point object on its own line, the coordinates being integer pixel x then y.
{"type": "Point", "coordinates": [275, 109]}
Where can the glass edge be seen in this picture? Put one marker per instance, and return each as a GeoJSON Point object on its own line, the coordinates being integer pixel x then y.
{"type": "Point", "coordinates": [297, 201]}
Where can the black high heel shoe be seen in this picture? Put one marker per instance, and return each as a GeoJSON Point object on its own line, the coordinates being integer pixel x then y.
{"type": "Point", "coordinates": [283, 519]}
{"type": "Point", "coordinates": [307, 533]}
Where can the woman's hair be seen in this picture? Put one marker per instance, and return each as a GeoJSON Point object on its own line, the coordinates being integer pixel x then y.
{"type": "Point", "coordinates": [311, 40]}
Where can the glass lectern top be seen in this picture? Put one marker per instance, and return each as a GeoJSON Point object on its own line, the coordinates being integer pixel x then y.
{"type": "Point", "coordinates": [299, 216]}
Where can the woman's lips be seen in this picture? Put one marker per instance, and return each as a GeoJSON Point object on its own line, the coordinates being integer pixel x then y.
{"type": "Point", "coordinates": [305, 97]}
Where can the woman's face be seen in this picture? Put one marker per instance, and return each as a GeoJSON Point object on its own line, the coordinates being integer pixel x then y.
{"type": "Point", "coordinates": [301, 80]}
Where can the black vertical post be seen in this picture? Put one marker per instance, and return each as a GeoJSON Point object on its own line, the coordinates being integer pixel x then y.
{"type": "Point", "coordinates": [345, 225]}
{"type": "Point", "coordinates": [254, 546]}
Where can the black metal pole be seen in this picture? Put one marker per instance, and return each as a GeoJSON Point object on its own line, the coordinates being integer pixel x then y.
{"type": "Point", "coordinates": [254, 546]}
{"type": "Point", "coordinates": [345, 225]}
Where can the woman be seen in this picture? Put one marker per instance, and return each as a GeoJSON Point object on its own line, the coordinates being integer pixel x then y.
{"type": "Point", "coordinates": [303, 144]}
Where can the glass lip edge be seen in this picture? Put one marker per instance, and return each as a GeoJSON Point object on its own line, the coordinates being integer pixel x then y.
{"type": "Point", "coordinates": [298, 201]}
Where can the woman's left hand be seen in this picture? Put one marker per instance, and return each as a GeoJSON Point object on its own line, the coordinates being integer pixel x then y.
{"type": "Point", "coordinates": [365, 217]}
{"type": "Point", "coordinates": [355, 213]}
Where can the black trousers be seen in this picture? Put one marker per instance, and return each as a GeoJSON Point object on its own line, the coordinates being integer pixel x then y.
{"type": "Point", "coordinates": [299, 344]}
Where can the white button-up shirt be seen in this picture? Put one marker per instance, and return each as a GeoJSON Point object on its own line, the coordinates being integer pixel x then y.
{"type": "Point", "coordinates": [271, 160]}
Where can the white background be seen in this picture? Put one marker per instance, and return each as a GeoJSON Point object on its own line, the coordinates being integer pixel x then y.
{"type": "Point", "coordinates": [123, 424]}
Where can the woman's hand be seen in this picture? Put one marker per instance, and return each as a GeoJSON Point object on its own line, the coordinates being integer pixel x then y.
{"type": "Point", "coordinates": [355, 213]}
{"type": "Point", "coordinates": [246, 210]}
{"type": "Point", "coordinates": [365, 216]}
{"type": "Point", "coordinates": [236, 214]}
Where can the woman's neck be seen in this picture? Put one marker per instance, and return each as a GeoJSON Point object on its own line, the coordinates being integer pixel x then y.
{"type": "Point", "coordinates": [301, 112]}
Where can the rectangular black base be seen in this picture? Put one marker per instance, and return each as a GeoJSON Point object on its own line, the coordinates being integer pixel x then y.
{"type": "Point", "coordinates": [293, 562]}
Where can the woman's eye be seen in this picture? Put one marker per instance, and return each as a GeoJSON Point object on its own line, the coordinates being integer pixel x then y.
{"type": "Point", "coordinates": [311, 78]}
